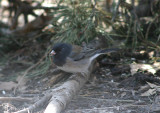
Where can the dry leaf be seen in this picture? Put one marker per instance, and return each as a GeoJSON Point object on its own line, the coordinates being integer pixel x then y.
{"type": "Point", "coordinates": [153, 85]}
{"type": "Point", "coordinates": [144, 88]}
{"type": "Point", "coordinates": [152, 91]}
{"type": "Point", "coordinates": [123, 94]}
{"type": "Point", "coordinates": [149, 92]}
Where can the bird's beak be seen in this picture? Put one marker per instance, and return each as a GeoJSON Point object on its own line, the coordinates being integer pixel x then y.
{"type": "Point", "coordinates": [52, 53]}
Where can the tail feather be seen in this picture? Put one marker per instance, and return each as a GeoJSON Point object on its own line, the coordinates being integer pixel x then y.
{"type": "Point", "coordinates": [102, 52]}
{"type": "Point", "coordinates": [110, 50]}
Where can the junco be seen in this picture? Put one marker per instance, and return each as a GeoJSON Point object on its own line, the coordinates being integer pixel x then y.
{"type": "Point", "coordinates": [63, 57]}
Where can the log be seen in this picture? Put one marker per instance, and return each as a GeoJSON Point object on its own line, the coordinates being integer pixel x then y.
{"type": "Point", "coordinates": [62, 95]}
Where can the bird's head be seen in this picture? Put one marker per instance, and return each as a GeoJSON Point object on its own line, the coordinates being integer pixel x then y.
{"type": "Point", "coordinates": [60, 52]}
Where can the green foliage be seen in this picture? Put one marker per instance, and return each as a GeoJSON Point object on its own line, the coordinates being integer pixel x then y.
{"type": "Point", "coordinates": [79, 22]}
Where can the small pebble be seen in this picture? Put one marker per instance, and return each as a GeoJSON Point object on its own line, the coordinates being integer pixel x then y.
{"type": "Point", "coordinates": [3, 92]}
{"type": "Point", "coordinates": [133, 59]}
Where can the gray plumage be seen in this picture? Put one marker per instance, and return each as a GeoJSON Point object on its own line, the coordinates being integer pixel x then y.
{"type": "Point", "coordinates": [64, 62]}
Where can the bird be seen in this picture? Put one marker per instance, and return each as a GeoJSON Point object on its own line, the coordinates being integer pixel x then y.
{"type": "Point", "coordinates": [62, 55]}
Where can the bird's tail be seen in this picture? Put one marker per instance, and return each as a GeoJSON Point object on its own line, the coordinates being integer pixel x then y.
{"type": "Point", "coordinates": [102, 52]}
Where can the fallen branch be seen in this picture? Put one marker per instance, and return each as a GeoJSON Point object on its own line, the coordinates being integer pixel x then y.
{"type": "Point", "coordinates": [63, 94]}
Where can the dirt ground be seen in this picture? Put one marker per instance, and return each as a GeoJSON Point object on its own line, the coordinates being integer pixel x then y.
{"type": "Point", "coordinates": [107, 97]}
{"type": "Point", "coordinates": [122, 83]}
{"type": "Point", "coordinates": [113, 88]}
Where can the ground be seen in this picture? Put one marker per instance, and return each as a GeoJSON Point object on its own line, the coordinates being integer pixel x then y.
{"type": "Point", "coordinates": [112, 88]}
{"type": "Point", "coordinates": [120, 84]}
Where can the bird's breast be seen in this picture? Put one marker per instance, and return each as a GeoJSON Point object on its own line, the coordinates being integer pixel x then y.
{"type": "Point", "coordinates": [74, 66]}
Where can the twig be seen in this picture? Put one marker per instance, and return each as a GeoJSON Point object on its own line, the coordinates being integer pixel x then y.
{"type": "Point", "coordinates": [106, 108]}
{"type": "Point", "coordinates": [14, 99]}
{"type": "Point", "coordinates": [94, 110]}
{"type": "Point", "coordinates": [116, 100]}
{"type": "Point", "coordinates": [54, 8]}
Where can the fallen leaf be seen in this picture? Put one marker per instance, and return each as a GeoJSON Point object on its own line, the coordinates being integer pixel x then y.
{"type": "Point", "coordinates": [153, 85]}
{"type": "Point", "coordinates": [149, 92]}
{"type": "Point", "coordinates": [123, 94]}
{"type": "Point", "coordinates": [154, 89]}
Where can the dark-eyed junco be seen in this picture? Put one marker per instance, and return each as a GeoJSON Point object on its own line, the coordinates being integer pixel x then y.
{"type": "Point", "coordinates": [63, 57]}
